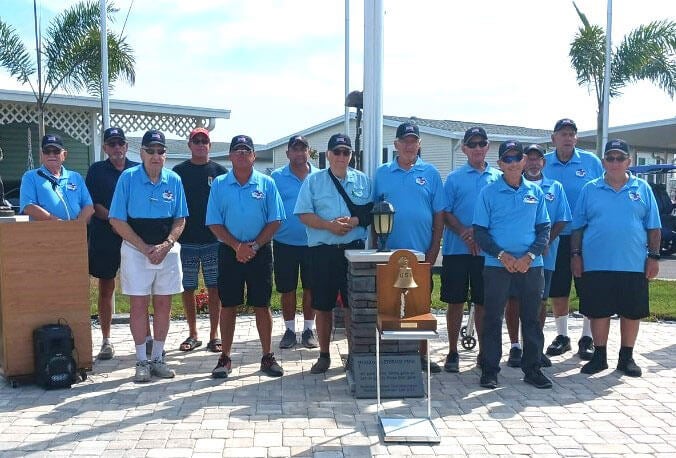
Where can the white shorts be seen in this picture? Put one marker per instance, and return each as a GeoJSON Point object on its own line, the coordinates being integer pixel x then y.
{"type": "Point", "coordinates": [138, 277]}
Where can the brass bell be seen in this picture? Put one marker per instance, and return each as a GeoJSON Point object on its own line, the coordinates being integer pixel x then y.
{"type": "Point", "coordinates": [405, 278]}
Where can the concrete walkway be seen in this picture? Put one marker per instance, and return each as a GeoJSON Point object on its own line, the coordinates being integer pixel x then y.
{"type": "Point", "coordinates": [301, 414]}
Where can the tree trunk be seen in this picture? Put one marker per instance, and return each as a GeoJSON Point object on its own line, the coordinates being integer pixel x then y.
{"type": "Point", "coordinates": [41, 119]}
{"type": "Point", "coordinates": [599, 133]}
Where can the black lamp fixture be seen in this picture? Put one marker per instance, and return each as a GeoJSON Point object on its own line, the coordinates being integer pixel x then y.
{"type": "Point", "coordinates": [383, 220]}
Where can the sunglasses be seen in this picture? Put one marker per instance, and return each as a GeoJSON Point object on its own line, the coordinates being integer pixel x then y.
{"type": "Point", "coordinates": [116, 143]}
{"type": "Point", "coordinates": [241, 152]}
{"type": "Point", "coordinates": [472, 145]}
{"type": "Point", "coordinates": [620, 158]}
{"type": "Point", "coordinates": [159, 151]}
{"type": "Point", "coordinates": [199, 141]}
{"type": "Point", "coordinates": [51, 152]}
{"type": "Point", "coordinates": [518, 157]}
{"type": "Point", "coordinates": [342, 151]}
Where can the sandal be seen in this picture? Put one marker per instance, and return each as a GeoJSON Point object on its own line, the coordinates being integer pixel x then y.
{"type": "Point", "coordinates": [215, 346]}
{"type": "Point", "coordinates": [190, 344]}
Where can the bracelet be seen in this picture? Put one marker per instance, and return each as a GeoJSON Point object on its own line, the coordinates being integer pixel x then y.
{"type": "Point", "coordinates": [171, 241]}
{"type": "Point", "coordinates": [238, 246]}
{"type": "Point", "coordinates": [655, 256]}
{"type": "Point", "coordinates": [499, 256]}
{"type": "Point", "coordinates": [576, 253]}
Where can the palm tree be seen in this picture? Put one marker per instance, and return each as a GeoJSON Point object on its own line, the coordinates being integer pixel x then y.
{"type": "Point", "coordinates": [646, 53]}
{"type": "Point", "coordinates": [69, 58]}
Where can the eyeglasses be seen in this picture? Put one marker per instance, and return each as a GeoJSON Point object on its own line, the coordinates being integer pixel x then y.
{"type": "Point", "coordinates": [472, 145]}
{"type": "Point", "coordinates": [198, 141]}
{"type": "Point", "coordinates": [241, 152]}
{"type": "Point", "coordinates": [518, 157]}
{"type": "Point", "coordinates": [51, 152]}
{"type": "Point", "coordinates": [116, 143]}
{"type": "Point", "coordinates": [159, 151]}
{"type": "Point", "coordinates": [343, 151]}
{"type": "Point", "coordinates": [620, 158]}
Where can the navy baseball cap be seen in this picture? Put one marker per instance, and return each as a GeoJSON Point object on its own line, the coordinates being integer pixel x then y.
{"type": "Point", "coordinates": [565, 122]}
{"type": "Point", "coordinates": [113, 132]}
{"type": "Point", "coordinates": [153, 137]}
{"type": "Point", "coordinates": [407, 128]}
{"type": "Point", "coordinates": [474, 132]}
{"type": "Point", "coordinates": [339, 141]}
{"type": "Point", "coordinates": [535, 147]}
{"type": "Point", "coordinates": [241, 140]}
{"type": "Point", "coordinates": [509, 145]}
{"type": "Point", "coordinates": [616, 145]}
{"type": "Point", "coordinates": [52, 140]}
{"type": "Point", "coordinates": [297, 139]}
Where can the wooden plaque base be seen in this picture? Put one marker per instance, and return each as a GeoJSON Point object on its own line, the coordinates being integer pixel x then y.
{"type": "Point", "coordinates": [424, 322]}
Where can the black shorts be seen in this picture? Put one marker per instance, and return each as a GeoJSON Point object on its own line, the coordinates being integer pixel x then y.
{"type": "Point", "coordinates": [460, 274]}
{"type": "Point", "coordinates": [329, 274]}
{"type": "Point", "coordinates": [234, 275]}
{"type": "Point", "coordinates": [562, 276]}
{"type": "Point", "coordinates": [288, 259]}
{"type": "Point", "coordinates": [104, 263]}
{"type": "Point", "coordinates": [606, 293]}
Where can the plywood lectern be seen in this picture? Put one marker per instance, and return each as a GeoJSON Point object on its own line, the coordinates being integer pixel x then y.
{"type": "Point", "coordinates": [44, 278]}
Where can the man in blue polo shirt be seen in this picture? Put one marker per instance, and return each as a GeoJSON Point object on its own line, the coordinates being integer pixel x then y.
{"type": "Point", "coordinates": [463, 262]}
{"type": "Point", "coordinates": [290, 249]}
{"type": "Point", "coordinates": [559, 214]}
{"type": "Point", "coordinates": [415, 190]}
{"type": "Point", "coordinates": [148, 211]}
{"type": "Point", "coordinates": [573, 168]}
{"type": "Point", "coordinates": [615, 219]}
{"type": "Point", "coordinates": [52, 192]}
{"type": "Point", "coordinates": [511, 226]}
{"type": "Point", "coordinates": [244, 211]}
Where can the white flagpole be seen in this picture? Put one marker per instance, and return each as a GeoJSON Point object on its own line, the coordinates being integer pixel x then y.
{"type": "Point", "coordinates": [606, 77]}
{"type": "Point", "coordinates": [105, 103]}
{"type": "Point", "coordinates": [373, 85]}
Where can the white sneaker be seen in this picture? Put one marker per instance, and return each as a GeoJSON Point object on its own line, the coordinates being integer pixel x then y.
{"type": "Point", "coordinates": [159, 368]}
{"type": "Point", "coordinates": [142, 372]}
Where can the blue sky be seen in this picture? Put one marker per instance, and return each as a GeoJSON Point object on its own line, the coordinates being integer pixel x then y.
{"type": "Point", "coordinates": [278, 65]}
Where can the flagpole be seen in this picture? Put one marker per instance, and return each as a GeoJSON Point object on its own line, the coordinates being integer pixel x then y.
{"type": "Point", "coordinates": [105, 103]}
{"type": "Point", "coordinates": [606, 77]}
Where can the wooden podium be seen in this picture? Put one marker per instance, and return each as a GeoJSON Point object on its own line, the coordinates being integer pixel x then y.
{"type": "Point", "coordinates": [44, 278]}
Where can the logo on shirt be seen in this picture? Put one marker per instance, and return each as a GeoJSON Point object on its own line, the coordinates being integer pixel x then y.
{"type": "Point", "coordinates": [257, 194]}
{"type": "Point", "coordinates": [634, 196]}
{"type": "Point", "coordinates": [168, 196]}
{"type": "Point", "coordinates": [581, 173]}
{"type": "Point", "coordinates": [549, 196]}
{"type": "Point", "coordinates": [421, 181]}
{"type": "Point", "coordinates": [357, 192]}
{"type": "Point", "coordinates": [210, 180]}
{"type": "Point", "coordinates": [529, 199]}
{"type": "Point", "coordinates": [71, 187]}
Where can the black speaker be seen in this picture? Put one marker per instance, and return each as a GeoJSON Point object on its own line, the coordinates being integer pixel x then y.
{"type": "Point", "coordinates": [53, 347]}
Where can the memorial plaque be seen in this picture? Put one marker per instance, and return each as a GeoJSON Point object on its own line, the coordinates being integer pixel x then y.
{"type": "Point", "coordinates": [400, 376]}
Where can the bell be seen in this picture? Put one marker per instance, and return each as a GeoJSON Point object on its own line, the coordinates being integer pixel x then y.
{"type": "Point", "coordinates": [405, 278]}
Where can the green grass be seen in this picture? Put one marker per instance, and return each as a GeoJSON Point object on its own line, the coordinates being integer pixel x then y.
{"type": "Point", "coordinates": [662, 303]}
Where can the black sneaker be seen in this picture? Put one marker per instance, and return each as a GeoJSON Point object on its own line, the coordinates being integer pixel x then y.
{"type": "Point", "coordinates": [514, 359]}
{"type": "Point", "coordinates": [308, 339]}
{"type": "Point", "coordinates": [585, 348]}
{"type": "Point", "coordinates": [544, 361]}
{"type": "Point", "coordinates": [434, 367]}
{"type": "Point", "coordinates": [489, 381]}
{"type": "Point", "coordinates": [537, 379]}
{"type": "Point", "coordinates": [597, 364]}
{"type": "Point", "coordinates": [559, 346]}
{"type": "Point", "coordinates": [270, 367]}
{"type": "Point", "coordinates": [452, 363]}
{"type": "Point", "coordinates": [223, 367]}
{"type": "Point", "coordinates": [322, 365]}
{"type": "Point", "coordinates": [629, 367]}
{"type": "Point", "coordinates": [288, 339]}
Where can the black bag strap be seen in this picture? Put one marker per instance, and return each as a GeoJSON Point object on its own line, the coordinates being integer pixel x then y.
{"type": "Point", "coordinates": [362, 212]}
{"type": "Point", "coordinates": [341, 191]}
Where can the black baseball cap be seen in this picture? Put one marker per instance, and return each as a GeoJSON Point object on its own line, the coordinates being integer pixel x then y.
{"type": "Point", "coordinates": [241, 140]}
{"type": "Point", "coordinates": [616, 145]}
{"type": "Point", "coordinates": [297, 139]}
{"type": "Point", "coordinates": [407, 128]}
{"type": "Point", "coordinates": [52, 140]}
{"type": "Point", "coordinates": [565, 122]}
{"type": "Point", "coordinates": [153, 137]}
{"type": "Point", "coordinates": [339, 141]}
{"type": "Point", "coordinates": [534, 147]}
{"type": "Point", "coordinates": [113, 132]}
{"type": "Point", "coordinates": [474, 132]}
{"type": "Point", "coordinates": [509, 145]}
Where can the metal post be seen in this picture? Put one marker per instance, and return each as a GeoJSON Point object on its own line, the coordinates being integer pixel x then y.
{"type": "Point", "coordinates": [373, 85]}
{"type": "Point", "coordinates": [105, 104]}
{"type": "Point", "coordinates": [347, 65]}
{"type": "Point", "coordinates": [606, 78]}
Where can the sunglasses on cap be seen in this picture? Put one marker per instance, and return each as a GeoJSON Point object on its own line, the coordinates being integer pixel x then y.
{"type": "Point", "coordinates": [159, 151]}
{"type": "Point", "coordinates": [616, 158]}
{"type": "Point", "coordinates": [343, 151]}
{"type": "Point", "coordinates": [472, 145]}
{"type": "Point", "coordinates": [112, 143]}
{"type": "Point", "coordinates": [518, 157]}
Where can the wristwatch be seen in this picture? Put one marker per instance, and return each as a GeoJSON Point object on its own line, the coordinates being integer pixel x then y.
{"type": "Point", "coordinates": [653, 255]}
{"type": "Point", "coordinates": [499, 256]}
{"type": "Point", "coordinates": [255, 246]}
{"type": "Point", "coordinates": [171, 241]}
{"type": "Point", "coordinates": [531, 256]}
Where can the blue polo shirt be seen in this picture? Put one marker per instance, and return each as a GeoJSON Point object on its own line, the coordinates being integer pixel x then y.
{"type": "Point", "coordinates": [245, 209]}
{"type": "Point", "coordinates": [416, 194]}
{"type": "Point", "coordinates": [615, 224]}
{"type": "Point", "coordinates": [462, 190]}
{"type": "Point", "coordinates": [558, 210]}
{"type": "Point", "coordinates": [292, 231]}
{"type": "Point", "coordinates": [582, 167]}
{"type": "Point", "coordinates": [137, 197]}
{"type": "Point", "coordinates": [511, 216]}
{"type": "Point", "coordinates": [37, 190]}
{"type": "Point", "coordinates": [319, 195]}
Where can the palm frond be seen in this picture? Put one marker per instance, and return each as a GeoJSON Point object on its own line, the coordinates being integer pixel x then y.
{"type": "Point", "coordinates": [13, 54]}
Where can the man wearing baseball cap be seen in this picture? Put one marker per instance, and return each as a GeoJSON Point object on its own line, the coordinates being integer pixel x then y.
{"type": "Point", "coordinates": [415, 190]}
{"type": "Point", "coordinates": [511, 225]}
{"type": "Point", "coordinates": [573, 168]}
{"type": "Point", "coordinates": [291, 251]}
{"type": "Point", "coordinates": [199, 246]}
{"type": "Point", "coordinates": [615, 219]}
{"type": "Point", "coordinates": [463, 262]}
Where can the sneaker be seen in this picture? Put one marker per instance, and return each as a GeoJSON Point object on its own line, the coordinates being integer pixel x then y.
{"type": "Point", "coordinates": [149, 349]}
{"type": "Point", "coordinates": [559, 346]}
{"type": "Point", "coordinates": [452, 363]}
{"type": "Point", "coordinates": [597, 364]}
{"type": "Point", "coordinates": [308, 339]}
{"type": "Point", "coordinates": [288, 340]}
{"type": "Point", "coordinates": [434, 367]}
{"type": "Point", "coordinates": [223, 367]}
{"type": "Point", "coordinates": [585, 348]}
{"type": "Point", "coordinates": [544, 361]}
{"type": "Point", "coordinates": [514, 359]}
{"type": "Point", "coordinates": [142, 374]}
{"type": "Point", "coordinates": [159, 368]}
{"type": "Point", "coordinates": [489, 381]}
{"type": "Point", "coordinates": [629, 367]}
{"type": "Point", "coordinates": [270, 367]}
{"type": "Point", "coordinates": [538, 380]}
{"type": "Point", "coordinates": [107, 351]}
{"type": "Point", "coordinates": [322, 365]}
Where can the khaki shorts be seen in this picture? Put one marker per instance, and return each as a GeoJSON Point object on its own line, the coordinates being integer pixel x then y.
{"type": "Point", "coordinates": [138, 277]}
